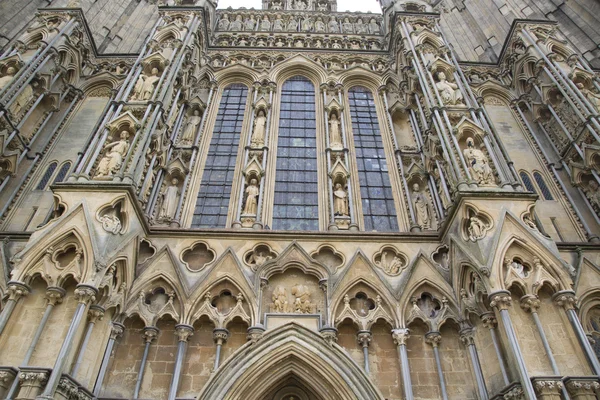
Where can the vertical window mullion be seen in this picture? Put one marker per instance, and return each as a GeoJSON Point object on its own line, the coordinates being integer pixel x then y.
{"type": "Point", "coordinates": [212, 203]}
{"type": "Point", "coordinates": [377, 199]}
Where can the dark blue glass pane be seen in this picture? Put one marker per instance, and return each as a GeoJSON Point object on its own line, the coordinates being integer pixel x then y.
{"type": "Point", "coordinates": [46, 178]}
{"type": "Point", "coordinates": [215, 190]}
{"type": "Point", "coordinates": [542, 185]}
{"type": "Point", "coordinates": [62, 173]}
{"type": "Point", "coordinates": [295, 204]}
{"type": "Point", "coordinates": [375, 187]}
{"type": "Point", "coordinates": [527, 182]}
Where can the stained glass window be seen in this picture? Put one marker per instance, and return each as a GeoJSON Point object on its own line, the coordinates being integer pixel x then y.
{"type": "Point", "coordinates": [527, 182]}
{"type": "Point", "coordinates": [295, 206]}
{"type": "Point", "coordinates": [539, 179]}
{"type": "Point", "coordinates": [62, 173]}
{"type": "Point", "coordinates": [212, 203]}
{"type": "Point", "coordinates": [47, 175]}
{"type": "Point", "coordinates": [375, 188]}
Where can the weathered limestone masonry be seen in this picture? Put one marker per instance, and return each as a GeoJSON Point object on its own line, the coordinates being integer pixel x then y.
{"type": "Point", "coordinates": [299, 202]}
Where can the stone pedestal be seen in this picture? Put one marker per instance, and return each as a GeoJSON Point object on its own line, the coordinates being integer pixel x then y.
{"type": "Point", "coordinates": [32, 381]}
{"type": "Point", "coordinates": [7, 376]}
{"type": "Point", "coordinates": [582, 387]}
{"type": "Point", "coordinates": [68, 388]}
{"type": "Point", "coordinates": [548, 387]}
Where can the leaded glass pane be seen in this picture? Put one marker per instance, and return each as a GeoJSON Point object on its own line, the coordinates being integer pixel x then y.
{"type": "Point", "coordinates": [527, 182]}
{"type": "Point", "coordinates": [295, 206]}
{"type": "Point", "coordinates": [47, 175]}
{"type": "Point", "coordinates": [542, 185]}
{"type": "Point", "coordinates": [375, 187]}
{"type": "Point", "coordinates": [212, 202]}
{"type": "Point", "coordinates": [62, 173]}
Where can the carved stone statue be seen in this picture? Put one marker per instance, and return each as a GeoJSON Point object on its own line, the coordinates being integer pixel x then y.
{"type": "Point", "coordinates": [250, 23]}
{"type": "Point", "coordinates": [278, 24]}
{"type": "Point", "coordinates": [111, 222]}
{"type": "Point", "coordinates": [422, 209]}
{"type": "Point", "coordinates": [236, 25]}
{"type": "Point", "coordinates": [145, 86]}
{"type": "Point", "coordinates": [302, 302]}
{"type": "Point", "coordinates": [258, 258]}
{"type": "Point", "coordinates": [347, 26]}
{"type": "Point", "coordinates": [292, 24]}
{"type": "Point", "coordinates": [319, 25]}
{"type": "Point", "coordinates": [593, 192]}
{"type": "Point", "coordinates": [360, 27]}
{"type": "Point", "coordinates": [191, 127]}
{"type": "Point", "coordinates": [265, 24]}
{"type": "Point", "coordinates": [22, 100]}
{"type": "Point", "coordinates": [335, 134]}
{"type": "Point", "coordinates": [476, 229]}
{"type": "Point", "coordinates": [280, 302]}
{"type": "Point", "coordinates": [374, 27]}
{"type": "Point", "coordinates": [224, 23]}
{"type": "Point", "coordinates": [592, 97]}
{"type": "Point", "coordinates": [251, 204]}
{"type": "Point", "coordinates": [115, 152]}
{"type": "Point", "coordinates": [518, 268]}
{"type": "Point", "coordinates": [6, 78]}
{"type": "Point", "coordinates": [478, 165]}
{"type": "Point", "coordinates": [333, 26]}
{"type": "Point", "coordinates": [170, 201]}
{"type": "Point", "coordinates": [449, 92]}
{"type": "Point", "coordinates": [307, 24]}
{"type": "Point", "coordinates": [260, 125]}
{"type": "Point", "coordinates": [340, 201]}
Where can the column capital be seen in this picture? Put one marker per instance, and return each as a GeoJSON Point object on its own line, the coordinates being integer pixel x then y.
{"type": "Point", "coordinates": [55, 295]}
{"type": "Point", "coordinates": [255, 333]}
{"type": "Point", "coordinates": [85, 294]}
{"type": "Point", "coordinates": [150, 333]}
{"type": "Point", "coordinates": [433, 338]}
{"type": "Point", "coordinates": [220, 335]}
{"type": "Point", "coordinates": [489, 320]}
{"type": "Point", "coordinates": [16, 290]}
{"type": "Point", "coordinates": [582, 387]}
{"type": "Point", "coordinates": [565, 299]}
{"type": "Point", "coordinates": [329, 333]}
{"type": "Point", "coordinates": [467, 336]}
{"type": "Point", "coordinates": [547, 387]}
{"type": "Point", "coordinates": [95, 313]}
{"type": "Point", "coordinates": [530, 303]}
{"type": "Point", "coordinates": [184, 332]}
{"type": "Point", "coordinates": [116, 330]}
{"type": "Point", "coordinates": [500, 300]}
{"type": "Point", "coordinates": [364, 338]}
{"type": "Point", "coordinates": [400, 336]}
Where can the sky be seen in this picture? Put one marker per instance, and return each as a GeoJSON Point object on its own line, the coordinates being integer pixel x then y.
{"type": "Point", "coordinates": [343, 5]}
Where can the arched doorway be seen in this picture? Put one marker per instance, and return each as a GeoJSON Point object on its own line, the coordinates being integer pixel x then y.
{"type": "Point", "coordinates": [290, 362]}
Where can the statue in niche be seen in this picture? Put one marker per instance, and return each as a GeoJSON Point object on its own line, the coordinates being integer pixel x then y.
{"type": "Point", "coordinates": [476, 228]}
{"type": "Point", "coordinates": [111, 222]}
{"type": "Point", "coordinates": [22, 99]}
{"type": "Point", "coordinates": [224, 22]}
{"type": "Point", "coordinates": [292, 24]}
{"type": "Point", "coordinates": [593, 192]}
{"type": "Point", "coordinates": [340, 201]}
{"type": "Point", "coordinates": [478, 165]}
{"type": "Point", "coordinates": [260, 126]}
{"type": "Point", "coordinates": [276, 5]}
{"type": "Point", "coordinates": [145, 86]}
{"type": "Point", "coordinates": [258, 258]}
{"type": "Point", "coordinates": [278, 24]}
{"type": "Point", "coordinates": [191, 127]}
{"type": "Point", "coordinates": [518, 268]}
{"type": "Point", "coordinates": [6, 78]}
{"type": "Point", "coordinates": [347, 26]}
{"type": "Point", "coordinates": [115, 153]}
{"type": "Point", "coordinates": [422, 209]}
{"type": "Point", "coordinates": [335, 134]}
{"type": "Point", "coordinates": [299, 5]}
{"type": "Point", "coordinates": [319, 25]}
{"type": "Point", "coordinates": [449, 92]}
{"type": "Point", "coordinates": [250, 23]}
{"type": "Point", "coordinates": [280, 302]}
{"type": "Point", "coordinates": [307, 24]}
{"type": "Point", "coordinates": [170, 201]}
{"type": "Point", "coordinates": [252, 191]}
{"type": "Point", "coordinates": [333, 25]}
{"type": "Point", "coordinates": [236, 25]}
{"type": "Point", "coordinates": [390, 267]}
{"type": "Point", "coordinates": [360, 27]}
{"type": "Point", "coordinates": [374, 27]}
{"type": "Point", "coordinates": [302, 302]}
{"type": "Point", "coordinates": [265, 24]}
{"type": "Point", "coordinates": [592, 97]}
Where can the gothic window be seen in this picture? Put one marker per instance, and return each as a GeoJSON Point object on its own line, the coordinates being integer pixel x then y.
{"type": "Point", "coordinates": [375, 188]}
{"type": "Point", "coordinates": [295, 206]}
{"type": "Point", "coordinates": [62, 173]}
{"type": "Point", "coordinates": [539, 179]}
{"type": "Point", "coordinates": [212, 203]}
{"type": "Point", "coordinates": [527, 181]}
{"type": "Point", "coordinates": [47, 175]}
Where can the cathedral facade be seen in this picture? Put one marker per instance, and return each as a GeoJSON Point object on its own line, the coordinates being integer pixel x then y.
{"type": "Point", "coordinates": [299, 202]}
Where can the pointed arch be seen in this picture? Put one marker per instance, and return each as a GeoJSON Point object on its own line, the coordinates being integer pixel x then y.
{"type": "Point", "coordinates": [290, 351]}
{"type": "Point", "coordinates": [298, 65]}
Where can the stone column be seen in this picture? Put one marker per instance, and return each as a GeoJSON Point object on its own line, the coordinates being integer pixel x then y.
{"type": "Point", "coordinates": [15, 291]}
{"type": "Point", "coordinates": [400, 337]}
{"type": "Point", "coordinates": [531, 304]}
{"type": "Point", "coordinates": [95, 314]}
{"type": "Point", "coordinates": [468, 338]}
{"type": "Point", "coordinates": [183, 333]}
{"type": "Point", "coordinates": [501, 301]}
{"type": "Point", "coordinates": [364, 339]}
{"type": "Point", "coordinates": [582, 388]}
{"type": "Point", "coordinates": [7, 376]}
{"type": "Point", "coordinates": [490, 322]}
{"type": "Point", "coordinates": [115, 332]}
{"type": "Point", "coordinates": [32, 382]}
{"type": "Point", "coordinates": [434, 339]}
{"type": "Point", "coordinates": [220, 336]}
{"type": "Point", "coordinates": [567, 300]}
{"type": "Point", "coordinates": [150, 333]}
{"type": "Point", "coordinates": [548, 388]}
{"type": "Point", "coordinates": [84, 294]}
